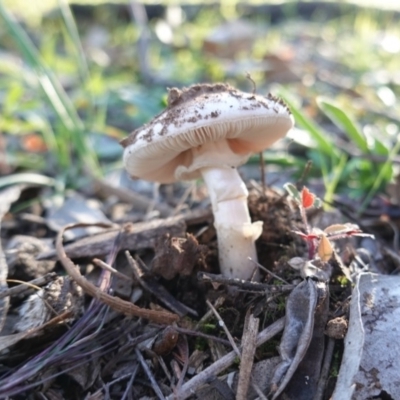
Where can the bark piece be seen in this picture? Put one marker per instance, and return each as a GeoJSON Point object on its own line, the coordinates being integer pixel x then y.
{"type": "Point", "coordinates": [21, 255]}
{"type": "Point", "coordinates": [134, 237]}
{"type": "Point", "coordinates": [247, 358]}
{"type": "Point", "coordinates": [58, 296]}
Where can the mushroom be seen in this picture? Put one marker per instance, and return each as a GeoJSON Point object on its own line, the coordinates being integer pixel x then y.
{"type": "Point", "coordinates": [207, 131]}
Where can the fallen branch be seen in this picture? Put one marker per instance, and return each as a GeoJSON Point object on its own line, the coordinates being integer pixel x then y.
{"type": "Point", "coordinates": [136, 236]}
{"type": "Point", "coordinates": [27, 287]}
{"type": "Point", "coordinates": [190, 387]}
{"type": "Point", "coordinates": [119, 305]}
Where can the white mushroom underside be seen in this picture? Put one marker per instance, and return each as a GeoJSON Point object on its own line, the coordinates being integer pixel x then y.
{"type": "Point", "coordinates": [158, 158]}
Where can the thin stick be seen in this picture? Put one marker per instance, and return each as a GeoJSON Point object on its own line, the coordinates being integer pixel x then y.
{"type": "Point", "coordinates": [223, 326]}
{"type": "Point", "coordinates": [109, 268]}
{"type": "Point", "coordinates": [149, 374]}
{"type": "Point", "coordinates": [248, 76]}
{"type": "Point", "coordinates": [306, 171]}
{"type": "Point", "coordinates": [270, 272]}
{"type": "Point", "coordinates": [25, 286]}
{"type": "Point", "coordinates": [183, 198]}
{"type": "Point", "coordinates": [218, 303]}
{"type": "Point", "coordinates": [185, 363]}
{"type": "Point", "coordinates": [325, 369]}
{"type": "Point", "coordinates": [261, 395]}
{"type": "Point", "coordinates": [244, 285]}
{"type": "Point", "coordinates": [262, 172]}
{"type": "Point", "coordinates": [139, 201]}
{"type": "Point", "coordinates": [122, 306]}
{"type": "Point", "coordinates": [201, 334]}
{"type": "Point", "coordinates": [190, 387]}
{"type": "Point", "coordinates": [248, 350]}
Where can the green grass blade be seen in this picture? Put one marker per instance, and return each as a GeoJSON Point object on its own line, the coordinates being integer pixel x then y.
{"type": "Point", "coordinates": [344, 122]}
{"type": "Point", "coordinates": [322, 139]}
{"type": "Point", "coordinates": [53, 90]}
{"type": "Point", "coordinates": [332, 183]}
{"type": "Point", "coordinates": [73, 33]}
{"type": "Point", "coordinates": [26, 178]}
{"type": "Point", "coordinates": [384, 172]}
{"type": "Point", "coordinates": [55, 94]}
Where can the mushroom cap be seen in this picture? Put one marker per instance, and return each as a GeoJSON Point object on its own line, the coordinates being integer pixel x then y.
{"type": "Point", "coordinates": [162, 150]}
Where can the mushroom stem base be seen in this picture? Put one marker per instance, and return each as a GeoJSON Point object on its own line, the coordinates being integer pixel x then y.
{"type": "Point", "coordinates": [236, 233]}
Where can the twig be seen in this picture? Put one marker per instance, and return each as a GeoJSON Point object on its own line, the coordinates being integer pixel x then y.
{"type": "Point", "coordinates": [248, 76]}
{"type": "Point", "coordinates": [183, 198]}
{"type": "Point", "coordinates": [155, 288]}
{"type": "Point", "coordinates": [223, 326]}
{"type": "Point", "coordinates": [269, 272]}
{"type": "Point", "coordinates": [139, 201]}
{"type": "Point", "coordinates": [109, 268]}
{"type": "Point", "coordinates": [107, 386]}
{"type": "Point", "coordinates": [395, 257]}
{"type": "Point", "coordinates": [146, 369]}
{"type": "Point", "coordinates": [202, 335]}
{"type": "Point", "coordinates": [185, 361]}
{"type": "Point", "coordinates": [136, 236]}
{"type": "Point", "coordinates": [249, 337]}
{"type": "Point", "coordinates": [226, 393]}
{"type": "Point", "coordinates": [244, 285]}
{"type": "Point", "coordinates": [26, 286]}
{"type": "Point", "coordinates": [224, 362]}
{"type": "Point", "coordinates": [325, 369]}
{"type": "Point", "coordinates": [262, 173]}
{"type": "Point", "coordinates": [164, 368]}
{"type": "Point", "coordinates": [115, 303]}
{"type": "Point", "coordinates": [129, 384]}
{"type": "Point", "coordinates": [218, 303]}
{"type": "Point", "coordinates": [306, 171]}
{"type": "Point", "coordinates": [395, 235]}
{"type": "Point", "coordinates": [261, 395]}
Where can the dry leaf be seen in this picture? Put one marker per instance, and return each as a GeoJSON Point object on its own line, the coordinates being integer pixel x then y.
{"type": "Point", "coordinates": [325, 249]}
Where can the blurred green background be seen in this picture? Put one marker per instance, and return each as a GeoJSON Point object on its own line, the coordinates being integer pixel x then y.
{"type": "Point", "coordinates": [76, 78]}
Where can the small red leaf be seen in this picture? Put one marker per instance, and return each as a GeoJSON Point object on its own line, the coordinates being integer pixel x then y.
{"type": "Point", "coordinates": [307, 198]}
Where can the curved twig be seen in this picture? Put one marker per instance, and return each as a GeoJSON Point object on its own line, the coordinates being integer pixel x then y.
{"type": "Point", "coordinates": [119, 305]}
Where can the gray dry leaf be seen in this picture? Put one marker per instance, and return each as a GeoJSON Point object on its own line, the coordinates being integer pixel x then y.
{"type": "Point", "coordinates": [261, 375]}
{"type": "Point", "coordinates": [7, 197]}
{"type": "Point", "coordinates": [21, 255]}
{"type": "Point", "coordinates": [297, 335]}
{"type": "Point", "coordinates": [87, 373]}
{"type": "Point", "coordinates": [9, 340]}
{"type": "Point", "coordinates": [304, 382]}
{"type": "Point", "coordinates": [74, 210]}
{"type": "Point", "coordinates": [58, 296]}
{"type": "Point", "coordinates": [371, 360]}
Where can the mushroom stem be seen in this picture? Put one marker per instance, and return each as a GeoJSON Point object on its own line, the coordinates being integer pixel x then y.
{"type": "Point", "coordinates": [236, 233]}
